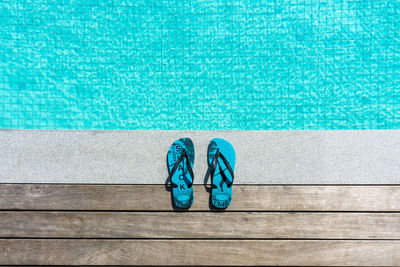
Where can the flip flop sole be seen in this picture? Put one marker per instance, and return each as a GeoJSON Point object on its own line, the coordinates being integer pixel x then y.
{"type": "Point", "coordinates": [221, 194]}
{"type": "Point", "coordinates": [182, 195]}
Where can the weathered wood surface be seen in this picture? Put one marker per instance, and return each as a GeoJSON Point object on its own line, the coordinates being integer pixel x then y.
{"type": "Point", "coordinates": [134, 225]}
{"type": "Point", "coordinates": [155, 197]}
{"type": "Point", "coordinates": [199, 252]}
{"type": "Point", "coordinates": [235, 225]}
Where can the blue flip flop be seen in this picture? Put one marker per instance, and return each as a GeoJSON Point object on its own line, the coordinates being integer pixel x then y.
{"type": "Point", "coordinates": [221, 160]}
{"type": "Point", "coordinates": [180, 163]}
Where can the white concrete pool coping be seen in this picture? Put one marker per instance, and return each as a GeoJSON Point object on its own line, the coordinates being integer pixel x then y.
{"type": "Point", "coordinates": [139, 157]}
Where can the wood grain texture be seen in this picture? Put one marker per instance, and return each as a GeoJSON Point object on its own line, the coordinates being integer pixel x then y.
{"type": "Point", "coordinates": [155, 197]}
{"type": "Point", "coordinates": [199, 252]}
{"type": "Point", "coordinates": [134, 225]}
{"type": "Point", "coordinates": [200, 225]}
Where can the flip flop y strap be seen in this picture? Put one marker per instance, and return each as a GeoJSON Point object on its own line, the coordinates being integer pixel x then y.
{"type": "Point", "coordinates": [228, 166]}
{"type": "Point", "coordinates": [176, 165]}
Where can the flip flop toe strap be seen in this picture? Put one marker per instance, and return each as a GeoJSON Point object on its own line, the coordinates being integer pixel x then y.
{"type": "Point", "coordinates": [228, 166]}
{"type": "Point", "coordinates": [176, 165]}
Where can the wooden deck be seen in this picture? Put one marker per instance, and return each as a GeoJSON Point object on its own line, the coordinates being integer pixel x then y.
{"type": "Point", "coordinates": [49, 224]}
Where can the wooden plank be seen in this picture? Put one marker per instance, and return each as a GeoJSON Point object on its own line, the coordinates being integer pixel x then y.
{"type": "Point", "coordinates": [199, 252]}
{"type": "Point", "coordinates": [200, 225]}
{"type": "Point", "coordinates": [155, 197]}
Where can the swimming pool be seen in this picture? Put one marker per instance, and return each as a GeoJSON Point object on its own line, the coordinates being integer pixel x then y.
{"type": "Point", "coordinates": [200, 65]}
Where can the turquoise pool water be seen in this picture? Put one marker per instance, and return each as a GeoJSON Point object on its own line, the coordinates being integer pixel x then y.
{"type": "Point", "coordinates": [172, 64]}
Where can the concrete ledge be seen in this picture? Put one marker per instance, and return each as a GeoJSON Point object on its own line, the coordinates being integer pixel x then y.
{"type": "Point", "coordinates": [139, 157]}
